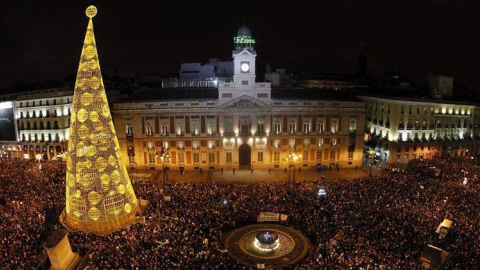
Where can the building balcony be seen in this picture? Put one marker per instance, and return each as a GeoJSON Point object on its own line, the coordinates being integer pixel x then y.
{"type": "Point", "coordinates": [229, 134]}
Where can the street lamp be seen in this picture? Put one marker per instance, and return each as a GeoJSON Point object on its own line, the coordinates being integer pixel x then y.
{"type": "Point", "coordinates": [164, 157]}
{"type": "Point", "coordinates": [293, 158]}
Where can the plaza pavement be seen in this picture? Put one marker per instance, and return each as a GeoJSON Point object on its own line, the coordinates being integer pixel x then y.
{"type": "Point", "coordinates": [247, 176]}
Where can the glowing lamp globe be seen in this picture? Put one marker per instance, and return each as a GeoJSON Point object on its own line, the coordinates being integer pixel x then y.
{"type": "Point", "coordinates": [91, 11]}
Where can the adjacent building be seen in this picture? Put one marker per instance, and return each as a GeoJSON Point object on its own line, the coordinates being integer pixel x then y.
{"type": "Point", "coordinates": [407, 128]}
{"type": "Point", "coordinates": [43, 121]}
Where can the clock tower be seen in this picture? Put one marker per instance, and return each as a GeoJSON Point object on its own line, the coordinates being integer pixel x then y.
{"type": "Point", "coordinates": [244, 58]}
{"type": "Point", "coordinates": [244, 71]}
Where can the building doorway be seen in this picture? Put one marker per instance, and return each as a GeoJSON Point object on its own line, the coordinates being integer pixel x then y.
{"type": "Point", "coordinates": [245, 156]}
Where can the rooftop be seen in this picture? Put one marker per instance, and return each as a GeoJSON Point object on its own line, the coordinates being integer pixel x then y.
{"type": "Point", "coordinates": [420, 99]}
{"type": "Point", "coordinates": [212, 94]}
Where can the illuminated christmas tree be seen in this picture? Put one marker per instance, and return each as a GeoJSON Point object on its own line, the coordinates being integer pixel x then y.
{"type": "Point", "coordinates": [99, 195]}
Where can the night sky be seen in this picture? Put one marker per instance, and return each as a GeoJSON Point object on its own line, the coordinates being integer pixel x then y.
{"type": "Point", "coordinates": [43, 39]}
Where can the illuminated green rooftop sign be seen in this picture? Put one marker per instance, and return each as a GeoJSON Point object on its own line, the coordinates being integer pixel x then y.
{"type": "Point", "coordinates": [243, 40]}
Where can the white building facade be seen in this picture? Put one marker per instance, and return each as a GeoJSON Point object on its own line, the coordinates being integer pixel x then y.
{"type": "Point", "coordinates": [241, 125]}
{"type": "Point", "coordinates": [43, 121]}
{"type": "Point", "coordinates": [420, 129]}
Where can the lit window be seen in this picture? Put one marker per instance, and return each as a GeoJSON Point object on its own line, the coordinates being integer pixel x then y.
{"type": "Point", "coordinates": [129, 129]}
{"type": "Point", "coordinates": [180, 144]}
{"type": "Point", "coordinates": [321, 126]}
{"type": "Point", "coordinates": [292, 127]}
{"type": "Point", "coordinates": [278, 127]}
{"type": "Point", "coordinates": [276, 157]}
{"type": "Point", "coordinates": [306, 142]}
{"type": "Point", "coordinates": [149, 130]}
{"type": "Point", "coordinates": [353, 125]}
{"type": "Point", "coordinates": [211, 126]}
{"type": "Point", "coordinates": [196, 144]}
{"type": "Point", "coordinates": [320, 142]}
{"type": "Point", "coordinates": [306, 127]}
{"type": "Point", "coordinates": [211, 144]}
{"type": "Point", "coordinates": [211, 157]}
{"type": "Point", "coordinates": [195, 127]}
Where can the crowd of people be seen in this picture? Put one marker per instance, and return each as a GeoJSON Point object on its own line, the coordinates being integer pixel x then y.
{"type": "Point", "coordinates": [367, 223]}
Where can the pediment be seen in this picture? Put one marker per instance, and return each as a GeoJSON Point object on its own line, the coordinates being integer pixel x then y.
{"type": "Point", "coordinates": [245, 52]}
{"type": "Point", "coordinates": [245, 102]}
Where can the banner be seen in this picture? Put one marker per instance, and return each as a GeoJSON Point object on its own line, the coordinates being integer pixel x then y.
{"type": "Point", "coordinates": [268, 216]}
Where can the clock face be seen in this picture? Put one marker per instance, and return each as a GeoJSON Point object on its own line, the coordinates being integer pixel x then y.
{"type": "Point", "coordinates": [245, 67]}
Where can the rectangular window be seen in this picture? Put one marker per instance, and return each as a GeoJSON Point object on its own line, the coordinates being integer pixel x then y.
{"type": "Point", "coordinates": [196, 157]}
{"type": "Point", "coordinates": [291, 142]}
{"type": "Point", "coordinates": [164, 129]}
{"type": "Point", "coordinates": [211, 144]}
{"type": "Point", "coordinates": [332, 155]}
{"type": "Point", "coordinates": [180, 144]}
{"type": "Point", "coordinates": [292, 127]}
{"type": "Point", "coordinates": [196, 144]}
{"type": "Point", "coordinates": [260, 157]}
{"type": "Point", "coordinates": [228, 125]}
{"type": "Point", "coordinates": [211, 126]}
{"type": "Point", "coordinates": [129, 130]}
{"type": "Point", "coordinates": [353, 125]}
{"type": "Point", "coordinates": [334, 127]}
{"type": "Point", "coordinates": [278, 128]}
{"type": "Point", "coordinates": [320, 142]}
{"type": "Point", "coordinates": [319, 154]}
{"type": "Point", "coordinates": [305, 156]}
{"type": "Point", "coordinates": [181, 158]}
{"type": "Point", "coordinates": [149, 130]}
{"type": "Point", "coordinates": [276, 157]}
{"type": "Point", "coordinates": [321, 126]}
{"type": "Point", "coordinates": [306, 142]}
{"type": "Point", "coordinates": [350, 155]}
{"type": "Point", "coordinates": [306, 127]}
{"type": "Point", "coordinates": [180, 127]}
{"type": "Point", "coordinates": [228, 157]}
{"type": "Point", "coordinates": [195, 127]}
{"type": "Point", "coordinates": [260, 127]}
{"type": "Point", "coordinates": [211, 157]}
{"type": "Point", "coordinates": [244, 82]}
{"type": "Point", "coordinates": [151, 158]}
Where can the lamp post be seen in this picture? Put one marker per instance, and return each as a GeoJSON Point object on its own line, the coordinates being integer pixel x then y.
{"type": "Point", "coordinates": [164, 158]}
{"type": "Point", "coordinates": [293, 158]}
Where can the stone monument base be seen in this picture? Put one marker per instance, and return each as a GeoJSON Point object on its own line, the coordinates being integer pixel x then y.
{"type": "Point", "coordinates": [59, 251]}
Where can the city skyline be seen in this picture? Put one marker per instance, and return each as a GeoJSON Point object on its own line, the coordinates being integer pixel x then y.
{"type": "Point", "coordinates": [326, 38]}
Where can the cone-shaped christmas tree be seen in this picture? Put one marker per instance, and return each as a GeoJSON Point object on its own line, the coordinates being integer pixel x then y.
{"type": "Point", "coordinates": [99, 195]}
